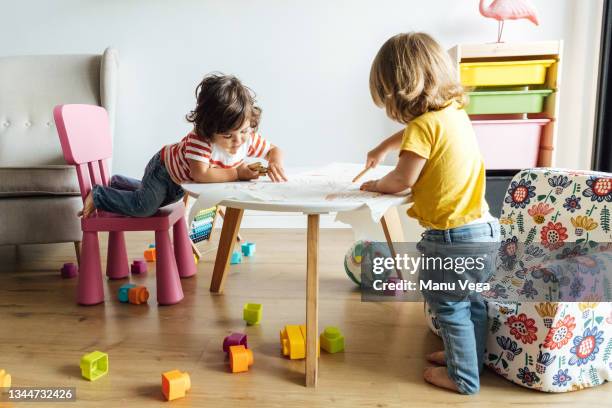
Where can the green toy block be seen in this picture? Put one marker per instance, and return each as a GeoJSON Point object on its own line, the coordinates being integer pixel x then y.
{"type": "Point", "coordinates": [252, 313]}
{"type": "Point", "coordinates": [236, 258]}
{"type": "Point", "coordinates": [332, 340]}
{"type": "Point", "coordinates": [94, 365]}
{"type": "Point", "coordinates": [123, 292]}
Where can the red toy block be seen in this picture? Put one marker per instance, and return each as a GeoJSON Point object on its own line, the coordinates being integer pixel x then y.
{"type": "Point", "coordinates": [69, 270]}
{"type": "Point", "coordinates": [139, 266]}
{"type": "Point", "coordinates": [234, 339]}
{"type": "Point", "coordinates": [393, 292]}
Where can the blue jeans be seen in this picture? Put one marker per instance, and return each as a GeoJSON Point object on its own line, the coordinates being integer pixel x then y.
{"type": "Point", "coordinates": [135, 198]}
{"type": "Point", "coordinates": [461, 314]}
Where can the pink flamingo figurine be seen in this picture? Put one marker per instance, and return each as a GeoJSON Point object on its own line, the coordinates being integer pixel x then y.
{"type": "Point", "coordinates": [502, 10]}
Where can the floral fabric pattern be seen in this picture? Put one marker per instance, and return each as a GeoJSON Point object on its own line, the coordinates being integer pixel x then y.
{"type": "Point", "coordinates": [556, 241]}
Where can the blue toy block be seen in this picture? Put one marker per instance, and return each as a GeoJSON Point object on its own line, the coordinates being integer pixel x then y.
{"type": "Point", "coordinates": [248, 248]}
{"type": "Point", "coordinates": [236, 258]}
{"type": "Point", "coordinates": [151, 245]}
{"type": "Point", "coordinates": [123, 292]}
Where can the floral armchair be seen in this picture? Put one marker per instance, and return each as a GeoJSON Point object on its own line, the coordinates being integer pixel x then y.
{"type": "Point", "coordinates": [550, 309]}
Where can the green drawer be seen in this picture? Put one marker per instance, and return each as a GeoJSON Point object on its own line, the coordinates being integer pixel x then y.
{"type": "Point", "coordinates": [483, 102]}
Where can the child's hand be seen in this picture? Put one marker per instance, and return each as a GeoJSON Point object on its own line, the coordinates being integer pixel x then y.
{"type": "Point", "coordinates": [245, 173]}
{"type": "Point", "coordinates": [370, 185]}
{"type": "Point", "coordinates": [276, 171]}
{"type": "Point", "coordinates": [375, 156]}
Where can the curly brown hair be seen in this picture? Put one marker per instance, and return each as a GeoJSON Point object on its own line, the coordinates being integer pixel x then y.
{"type": "Point", "coordinates": [411, 75]}
{"type": "Point", "coordinates": [223, 105]}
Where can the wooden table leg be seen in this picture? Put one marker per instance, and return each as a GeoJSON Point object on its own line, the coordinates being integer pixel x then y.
{"type": "Point", "coordinates": [222, 214]}
{"type": "Point", "coordinates": [312, 300]}
{"type": "Point", "coordinates": [392, 227]}
{"type": "Point", "coordinates": [231, 225]}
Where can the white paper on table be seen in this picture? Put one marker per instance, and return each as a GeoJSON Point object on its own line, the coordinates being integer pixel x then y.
{"type": "Point", "coordinates": [331, 183]}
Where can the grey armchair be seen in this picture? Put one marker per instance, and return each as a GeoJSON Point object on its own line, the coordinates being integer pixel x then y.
{"type": "Point", "coordinates": [39, 193]}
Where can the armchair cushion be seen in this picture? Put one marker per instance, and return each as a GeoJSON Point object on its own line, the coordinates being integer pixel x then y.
{"type": "Point", "coordinates": [38, 181]}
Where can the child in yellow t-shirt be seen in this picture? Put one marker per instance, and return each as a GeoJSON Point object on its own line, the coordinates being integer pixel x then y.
{"type": "Point", "coordinates": [413, 79]}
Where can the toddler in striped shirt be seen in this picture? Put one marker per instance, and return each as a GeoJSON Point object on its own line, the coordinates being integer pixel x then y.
{"type": "Point", "coordinates": [225, 122]}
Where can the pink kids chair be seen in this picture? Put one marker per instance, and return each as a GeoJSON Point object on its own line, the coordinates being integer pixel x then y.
{"type": "Point", "coordinates": [85, 137]}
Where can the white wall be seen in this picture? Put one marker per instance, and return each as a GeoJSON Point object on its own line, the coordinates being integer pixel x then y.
{"type": "Point", "coordinates": [308, 61]}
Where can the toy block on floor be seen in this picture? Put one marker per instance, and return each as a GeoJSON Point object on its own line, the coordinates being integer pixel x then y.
{"type": "Point", "coordinates": [236, 258]}
{"type": "Point", "coordinates": [234, 339]}
{"type": "Point", "coordinates": [332, 340]}
{"type": "Point", "coordinates": [175, 384]}
{"type": "Point", "coordinates": [123, 292]}
{"type": "Point", "coordinates": [5, 379]}
{"type": "Point", "coordinates": [248, 248]}
{"type": "Point", "coordinates": [252, 312]}
{"type": "Point", "coordinates": [293, 342]}
{"type": "Point", "coordinates": [69, 270]}
{"type": "Point", "coordinates": [393, 292]}
{"type": "Point", "coordinates": [139, 266]}
{"type": "Point", "coordinates": [150, 254]}
{"type": "Point", "coordinates": [133, 294]}
{"type": "Point", "coordinates": [138, 295]}
{"type": "Point", "coordinates": [240, 358]}
{"type": "Point", "coordinates": [94, 365]}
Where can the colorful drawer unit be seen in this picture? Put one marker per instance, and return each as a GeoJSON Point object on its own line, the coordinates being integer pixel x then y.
{"type": "Point", "coordinates": [509, 144]}
{"type": "Point", "coordinates": [504, 73]}
{"type": "Point", "coordinates": [483, 102]}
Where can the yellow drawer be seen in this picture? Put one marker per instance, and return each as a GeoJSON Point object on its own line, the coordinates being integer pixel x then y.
{"type": "Point", "coordinates": [500, 73]}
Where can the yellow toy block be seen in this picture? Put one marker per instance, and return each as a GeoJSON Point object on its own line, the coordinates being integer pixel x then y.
{"type": "Point", "coordinates": [5, 379]}
{"type": "Point", "coordinates": [175, 384]}
{"type": "Point", "coordinates": [293, 342]}
{"type": "Point", "coordinates": [94, 365]}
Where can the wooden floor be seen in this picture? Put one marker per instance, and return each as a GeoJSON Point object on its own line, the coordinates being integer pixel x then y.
{"type": "Point", "coordinates": [43, 334]}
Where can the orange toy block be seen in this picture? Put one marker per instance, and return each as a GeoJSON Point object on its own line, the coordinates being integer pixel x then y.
{"type": "Point", "coordinates": [241, 358]}
{"type": "Point", "coordinates": [293, 342]}
{"type": "Point", "coordinates": [138, 295]}
{"type": "Point", "coordinates": [150, 254]}
{"type": "Point", "coordinates": [175, 384]}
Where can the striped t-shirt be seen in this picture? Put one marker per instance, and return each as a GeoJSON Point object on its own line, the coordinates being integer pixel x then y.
{"type": "Point", "coordinates": [192, 147]}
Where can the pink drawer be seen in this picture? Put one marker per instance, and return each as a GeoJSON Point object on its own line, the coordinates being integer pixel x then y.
{"type": "Point", "coordinates": [509, 144]}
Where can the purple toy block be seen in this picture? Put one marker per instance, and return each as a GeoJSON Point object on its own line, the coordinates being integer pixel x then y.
{"type": "Point", "coordinates": [393, 292]}
{"type": "Point", "coordinates": [139, 266]}
{"type": "Point", "coordinates": [234, 339]}
{"type": "Point", "coordinates": [69, 270]}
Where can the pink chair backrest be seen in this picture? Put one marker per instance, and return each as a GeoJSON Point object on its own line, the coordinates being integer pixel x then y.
{"type": "Point", "coordinates": [84, 134]}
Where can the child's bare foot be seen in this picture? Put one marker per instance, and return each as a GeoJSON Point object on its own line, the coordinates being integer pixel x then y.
{"type": "Point", "coordinates": [437, 357]}
{"type": "Point", "coordinates": [88, 207]}
{"type": "Point", "coordinates": [438, 376]}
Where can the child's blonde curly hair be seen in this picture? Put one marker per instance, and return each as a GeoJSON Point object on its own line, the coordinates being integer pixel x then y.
{"type": "Point", "coordinates": [411, 75]}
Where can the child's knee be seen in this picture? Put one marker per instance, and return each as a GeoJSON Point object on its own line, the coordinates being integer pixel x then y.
{"type": "Point", "coordinates": [144, 206]}
{"type": "Point", "coordinates": [115, 180]}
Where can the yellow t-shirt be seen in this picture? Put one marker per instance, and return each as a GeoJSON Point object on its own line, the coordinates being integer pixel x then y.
{"type": "Point", "coordinates": [450, 190]}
